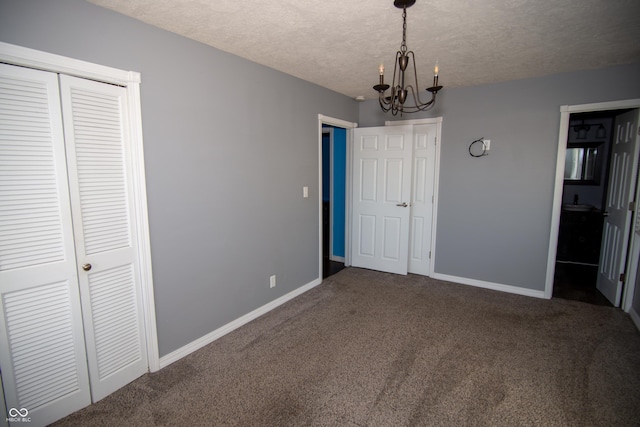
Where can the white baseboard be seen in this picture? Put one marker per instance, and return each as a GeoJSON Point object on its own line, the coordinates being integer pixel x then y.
{"type": "Point", "coordinates": [178, 354]}
{"type": "Point", "coordinates": [336, 258]}
{"type": "Point", "coordinates": [635, 317]}
{"type": "Point", "coordinates": [489, 285]}
{"type": "Point", "coordinates": [231, 326]}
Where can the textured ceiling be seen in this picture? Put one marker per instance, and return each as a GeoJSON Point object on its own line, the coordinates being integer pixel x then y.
{"type": "Point", "coordinates": [340, 44]}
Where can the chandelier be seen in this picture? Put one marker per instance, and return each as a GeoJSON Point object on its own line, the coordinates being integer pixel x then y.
{"type": "Point", "coordinates": [396, 101]}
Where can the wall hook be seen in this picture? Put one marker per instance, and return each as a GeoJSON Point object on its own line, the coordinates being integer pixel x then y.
{"type": "Point", "coordinates": [478, 148]}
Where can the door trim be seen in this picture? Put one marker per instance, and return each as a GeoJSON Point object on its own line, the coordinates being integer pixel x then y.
{"type": "Point", "coordinates": [634, 261]}
{"type": "Point", "coordinates": [565, 112]}
{"type": "Point", "coordinates": [322, 119]}
{"type": "Point", "coordinates": [32, 58]}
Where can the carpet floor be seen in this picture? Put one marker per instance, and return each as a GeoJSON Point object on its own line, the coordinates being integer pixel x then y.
{"type": "Point", "coordinates": [366, 348]}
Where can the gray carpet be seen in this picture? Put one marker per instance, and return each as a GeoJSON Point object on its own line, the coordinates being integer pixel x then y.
{"type": "Point", "coordinates": [375, 349]}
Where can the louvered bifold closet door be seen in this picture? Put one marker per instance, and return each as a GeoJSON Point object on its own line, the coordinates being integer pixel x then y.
{"type": "Point", "coordinates": [42, 352]}
{"type": "Point", "coordinates": [95, 116]}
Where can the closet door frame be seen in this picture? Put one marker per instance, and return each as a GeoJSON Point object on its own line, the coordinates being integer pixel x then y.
{"type": "Point", "coordinates": [17, 55]}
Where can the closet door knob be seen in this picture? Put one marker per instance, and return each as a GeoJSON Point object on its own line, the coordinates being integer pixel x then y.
{"type": "Point", "coordinates": [86, 267]}
{"type": "Point", "coordinates": [402, 205]}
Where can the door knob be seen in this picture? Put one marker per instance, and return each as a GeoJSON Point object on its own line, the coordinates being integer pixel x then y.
{"type": "Point", "coordinates": [403, 204]}
{"type": "Point", "coordinates": [86, 267]}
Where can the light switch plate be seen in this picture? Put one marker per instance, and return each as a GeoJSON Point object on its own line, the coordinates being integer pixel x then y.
{"type": "Point", "coordinates": [305, 192]}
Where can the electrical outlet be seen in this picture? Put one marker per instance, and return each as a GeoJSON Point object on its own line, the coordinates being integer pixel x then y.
{"type": "Point", "coordinates": [305, 192]}
{"type": "Point", "coordinates": [487, 144]}
{"type": "Point", "coordinates": [272, 281]}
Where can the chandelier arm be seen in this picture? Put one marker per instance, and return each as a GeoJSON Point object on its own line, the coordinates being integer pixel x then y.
{"type": "Point", "coordinates": [415, 107]}
{"type": "Point", "coordinates": [383, 104]}
{"type": "Point", "coordinates": [416, 99]}
{"type": "Point", "coordinates": [428, 105]}
{"type": "Point", "coordinates": [424, 106]}
{"type": "Point", "coordinates": [385, 100]}
{"type": "Point", "coordinates": [394, 82]}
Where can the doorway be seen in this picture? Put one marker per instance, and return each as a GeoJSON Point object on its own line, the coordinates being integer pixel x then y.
{"type": "Point", "coordinates": [590, 182]}
{"type": "Point", "coordinates": [334, 168]}
{"type": "Point", "coordinates": [584, 194]}
{"type": "Point", "coordinates": [328, 128]}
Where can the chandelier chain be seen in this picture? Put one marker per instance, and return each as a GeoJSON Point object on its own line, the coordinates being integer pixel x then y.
{"type": "Point", "coordinates": [403, 46]}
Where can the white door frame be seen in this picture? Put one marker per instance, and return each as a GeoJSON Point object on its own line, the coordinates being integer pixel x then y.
{"type": "Point", "coordinates": [436, 176]}
{"type": "Point", "coordinates": [632, 266]}
{"type": "Point", "coordinates": [565, 112]}
{"type": "Point", "coordinates": [322, 119]}
{"type": "Point", "coordinates": [31, 58]}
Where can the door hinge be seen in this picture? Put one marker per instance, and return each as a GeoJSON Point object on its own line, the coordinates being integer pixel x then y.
{"type": "Point", "coordinates": [429, 254]}
{"type": "Point", "coordinates": [622, 277]}
{"type": "Point", "coordinates": [632, 206]}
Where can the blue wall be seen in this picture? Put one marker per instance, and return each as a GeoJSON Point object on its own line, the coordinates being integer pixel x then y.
{"type": "Point", "coordinates": [339, 185]}
{"type": "Point", "coordinates": [339, 159]}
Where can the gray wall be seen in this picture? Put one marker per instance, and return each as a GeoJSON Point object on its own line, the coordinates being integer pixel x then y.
{"type": "Point", "coordinates": [494, 212]}
{"type": "Point", "coordinates": [228, 147]}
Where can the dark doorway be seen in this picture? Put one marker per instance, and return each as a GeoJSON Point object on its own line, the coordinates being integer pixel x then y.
{"type": "Point", "coordinates": [578, 282]}
{"type": "Point", "coordinates": [583, 207]}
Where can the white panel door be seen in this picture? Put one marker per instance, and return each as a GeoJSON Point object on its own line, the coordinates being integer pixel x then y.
{"type": "Point", "coordinates": [615, 236]}
{"type": "Point", "coordinates": [42, 351]}
{"type": "Point", "coordinates": [424, 154]}
{"type": "Point", "coordinates": [381, 198]}
{"type": "Point", "coordinates": [101, 200]}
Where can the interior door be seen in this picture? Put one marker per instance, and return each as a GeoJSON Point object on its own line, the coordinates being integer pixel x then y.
{"type": "Point", "coordinates": [95, 117]}
{"type": "Point", "coordinates": [615, 236]}
{"type": "Point", "coordinates": [42, 351]}
{"type": "Point", "coordinates": [424, 154]}
{"type": "Point", "coordinates": [381, 198]}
